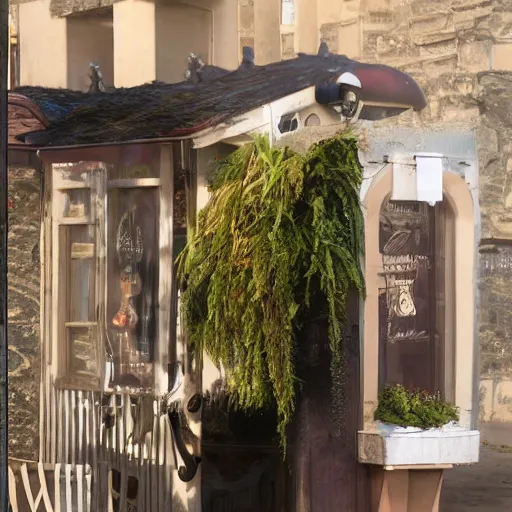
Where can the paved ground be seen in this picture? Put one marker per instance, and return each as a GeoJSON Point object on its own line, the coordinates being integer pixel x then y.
{"type": "Point", "coordinates": [484, 487]}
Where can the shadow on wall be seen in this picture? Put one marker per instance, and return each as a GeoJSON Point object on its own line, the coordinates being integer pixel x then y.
{"type": "Point", "coordinates": [495, 411]}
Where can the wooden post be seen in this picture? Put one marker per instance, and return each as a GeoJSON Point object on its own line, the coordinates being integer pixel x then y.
{"type": "Point", "coordinates": [325, 473]}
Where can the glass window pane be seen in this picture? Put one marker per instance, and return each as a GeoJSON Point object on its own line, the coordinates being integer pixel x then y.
{"type": "Point", "coordinates": [77, 203]}
{"type": "Point", "coordinates": [133, 255]}
{"type": "Point", "coordinates": [82, 350]}
{"type": "Point", "coordinates": [411, 323]}
{"type": "Point", "coordinates": [136, 162]}
{"type": "Point", "coordinates": [81, 269]}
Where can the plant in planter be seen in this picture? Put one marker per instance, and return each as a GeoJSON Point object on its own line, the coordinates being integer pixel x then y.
{"type": "Point", "coordinates": [405, 408]}
{"type": "Point", "coordinates": [278, 244]}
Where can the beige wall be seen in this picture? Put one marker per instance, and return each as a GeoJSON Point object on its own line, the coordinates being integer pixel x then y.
{"type": "Point", "coordinates": [43, 55]}
{"type": "Point", "coordinates": [267, 36]}
{"type": "Point", "coordinates": [181, 30]}
{"type": "Point", "coordinates": [153, 40]}
{"type": "Point", "coordinates": [150, 40]}
{"type": "Point", "coordinates": [134, 43]}
{"type": "Point", "coordinates": [90, 39]}
{"type": "Point", "coordinates": [225, 30]}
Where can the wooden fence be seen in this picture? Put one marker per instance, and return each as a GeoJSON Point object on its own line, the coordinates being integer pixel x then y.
{"type": "Point", "coordinates": [126, 442]}
{"type": "Point", "coordinates": [36, 487]}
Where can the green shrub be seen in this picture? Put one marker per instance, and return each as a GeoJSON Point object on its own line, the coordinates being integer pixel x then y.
{"type": "Point", "coordinates": [278, 244]}
{"type": "Point", "coordinates": [421, 409]}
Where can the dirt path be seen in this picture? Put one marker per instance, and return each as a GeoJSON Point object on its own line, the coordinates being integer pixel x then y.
{"type": "Point", "coordinates": [484, 487]}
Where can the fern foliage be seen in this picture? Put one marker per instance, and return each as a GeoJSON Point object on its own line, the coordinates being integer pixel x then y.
{"type": "Point", "coordinates": [414, 408]}
{"type": "Point", "coordinates": [279, 242]}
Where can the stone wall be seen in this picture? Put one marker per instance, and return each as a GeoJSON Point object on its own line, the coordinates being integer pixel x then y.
{"type": "Point", "coordinates": [460, 51]}
{"type": "Point", "coordinates": [495, 100]}
{"type": "Point", "coordinates": [23, 311]}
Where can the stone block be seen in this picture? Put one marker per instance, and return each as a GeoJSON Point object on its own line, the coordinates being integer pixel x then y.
{"type": "Point", "coordinates": [430, 23]}
{"type": "Point", "coordinates": [424, 7]}
{"type": "Point", "coordinates": [66, 7]}
{"type": "Point", "coordinates": [380, 21]}
{"type": "Point", "coordinates": [500, 25]}
{"type": "Point", "coordinates": [466, 5]}
{"type": "Point", "coordinates": [469, 18]}
{"type": "Point", "coordinates": [440, 65]}
{"type": "Point", "coordinates": [458, 114]}
{"type": "Point", "coordinates": [475, 56]}
{"type": "Point", "coordinates": [435, 38]}
{"type": "Point", "coordinates": [502, 57]}
{"type": "Point", "coordinates": [487, 144]}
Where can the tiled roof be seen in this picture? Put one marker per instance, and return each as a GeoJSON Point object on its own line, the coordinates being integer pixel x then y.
{"type": "Point", "coordinates": [159, 110]}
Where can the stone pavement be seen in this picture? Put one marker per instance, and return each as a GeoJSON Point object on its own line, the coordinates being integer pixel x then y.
{"type": "Point", "coordinates": [484, 487]}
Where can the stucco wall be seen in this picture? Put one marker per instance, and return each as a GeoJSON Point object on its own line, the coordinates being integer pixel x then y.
{"type": "Point", "coordinates": [23, 311]}
{"type": "Point", "coordinates": [43, 51]}
{"type": "Point", "coordinates": [260, 28]}
{"type": "Point", "coordinates": [89, 39]}
{"type": "Point", "coordinates": [181, 30]}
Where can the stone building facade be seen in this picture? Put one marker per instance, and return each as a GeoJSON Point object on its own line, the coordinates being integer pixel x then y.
{"type": "Point", "coordinates": [460, 51]}
{"type": "Point", "coordinates": [23, 320]}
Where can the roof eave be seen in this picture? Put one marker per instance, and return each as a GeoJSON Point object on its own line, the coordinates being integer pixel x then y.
{"type": "Point", "coordinates": [259, 120]}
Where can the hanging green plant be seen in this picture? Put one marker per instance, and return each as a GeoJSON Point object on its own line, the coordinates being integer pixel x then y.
{"type": "Point", "coordinates": [279, 242]}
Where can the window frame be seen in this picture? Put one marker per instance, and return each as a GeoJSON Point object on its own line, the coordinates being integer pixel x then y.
{"type": "Point", "coordinates": [55, 324]}
{"type": "Point", "coordinates": [92, 179]}
{"type": "Point", "coordinates": [460, 379]}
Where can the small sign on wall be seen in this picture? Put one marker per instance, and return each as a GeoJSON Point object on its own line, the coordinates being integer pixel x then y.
{"type": "Point", "coordinates": [429, 178]}
{"type": "Point", "coordinates": [420, 182]}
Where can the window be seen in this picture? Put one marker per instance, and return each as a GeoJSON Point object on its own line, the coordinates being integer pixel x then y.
{"type": "Point", "coordinates": [287, 12]}
{"type": "Point", "coordinates": [75, 273]}
{"type": "Point", "coordinates": [288, 123]}
{"type": "Point", "coordinates": [132, 283]}
{"type": "Point", "coordinates": [109, 235]}
{"type": "Point", "coordinates": [413, 326]}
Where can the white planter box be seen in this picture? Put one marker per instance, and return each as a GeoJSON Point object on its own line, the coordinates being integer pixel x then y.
{"type": "Point", "coordinates": [395, 446]}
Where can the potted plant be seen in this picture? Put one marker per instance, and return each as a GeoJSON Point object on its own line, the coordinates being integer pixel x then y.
{"type": "Point", "coordinates": [400, 409]}
{"type": "Point", "coordinates": [417, 428]}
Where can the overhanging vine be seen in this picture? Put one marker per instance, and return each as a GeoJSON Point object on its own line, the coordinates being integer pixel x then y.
{"type": "Point", "coordinates": [278, 244]}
